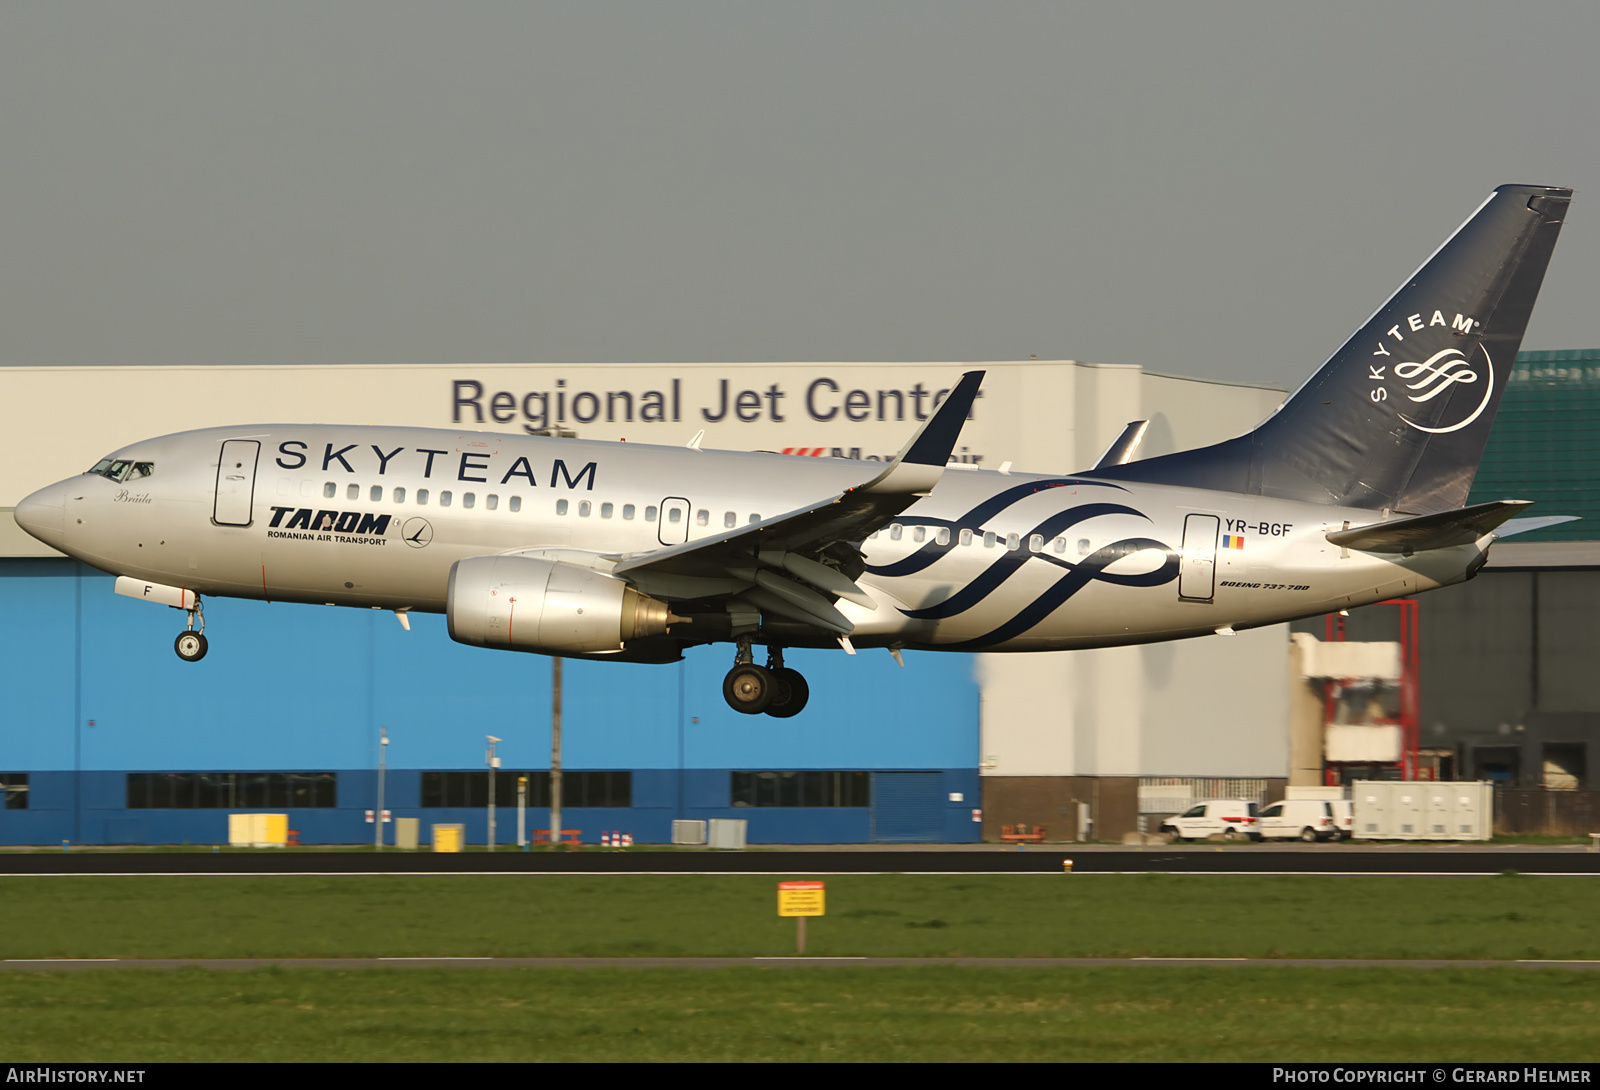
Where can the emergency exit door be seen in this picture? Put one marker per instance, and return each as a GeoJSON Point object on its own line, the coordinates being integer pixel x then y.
{"type": "Point", "coordinates": [673, 528]}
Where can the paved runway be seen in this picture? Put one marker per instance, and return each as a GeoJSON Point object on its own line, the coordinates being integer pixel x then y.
{"type": "Point", "coordinates": [1085, 860]}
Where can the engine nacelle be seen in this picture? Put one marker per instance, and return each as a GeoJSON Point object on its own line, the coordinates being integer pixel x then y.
{"type": "Point", "coordinates": [522, 604]}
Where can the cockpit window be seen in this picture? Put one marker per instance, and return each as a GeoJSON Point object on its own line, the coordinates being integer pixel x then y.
{"type": "Point", "coordinates": [115, 469]}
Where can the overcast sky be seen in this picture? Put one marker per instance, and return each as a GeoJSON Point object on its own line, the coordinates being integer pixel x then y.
{"type": "Point", "coordinates": [1224, 190]}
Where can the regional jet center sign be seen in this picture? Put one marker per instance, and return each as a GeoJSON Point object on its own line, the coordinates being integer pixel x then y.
{"type": "Point", "coordinates": [721, 404]}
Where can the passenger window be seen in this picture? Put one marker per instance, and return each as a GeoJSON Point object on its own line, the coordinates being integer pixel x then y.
{"type": "Point", "coordinates": [377, 493]}
{"type": "Point", "coordinates": [754, 519]}
{"type": "Point", "coordinates": [584, 507]}
{"type": "Point", "coordinates": [649, 514]}
{"type": "Point", "coordinates": [702, 517]}
{"type": "Point", "coordinates": [1036, 543]}
{"type": "Point", "coordinates": [352, 492]}
{"type": "Point", "coordinates": [605, 510]}
{"type": "Point", "coordinates": [1013, 542]}
{"type": "Point", "coordinates": [561, 507]}
{"type": "Point", "coordinates": [468, 499]}
{"type": "Point", "coordinates": [399, 495]}
{"type": "Point", "coordinates": [1059, 545]}
{"type": "Point", "coordinates": [675, 515]}
{"type": "Point", "coordinates": [989, 539]}
{"type": "Point", "coordinates": [1083, 546]}
{"type": "Point", "coordinates": [307, 488]}
{"type": "Point", "coordinates": [920, 533]}
{"type": "Point", "coordinates": [330, 490]}
{"type": "Point", "coordinates": [966, 537]}
{"type": "Point", "coordinates": [729, 520]}
{"type": "Point", "coordinates": [895, 531]}
{"type": "Point", "coordinates": [422, 497]}
{"type": "Point", "coordinates": [444, 499]}
{"type": "Point", "coordinates": [944, 535]}
{"type": "Point", "coordinates": [516, 503]}
{"type": "Point", "coordinates": [627, 512]}
{"type": "Point", "coordinates": [491, 501]}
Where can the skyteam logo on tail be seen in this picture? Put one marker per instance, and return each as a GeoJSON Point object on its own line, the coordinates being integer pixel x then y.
{"type": "Point", "coordinates": [1438, 374]}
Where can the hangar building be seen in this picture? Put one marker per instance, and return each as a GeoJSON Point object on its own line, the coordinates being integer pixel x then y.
{"type": "Point", "coordinates": [110, 738]}
{"type": "Point", "coordinates": [1507, 689]}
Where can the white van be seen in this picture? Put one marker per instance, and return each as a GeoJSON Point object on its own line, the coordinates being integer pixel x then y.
{"type": "Point", "coordinates": [1309, 820]}
{"type": "Point", "coordinates": [1344, 818]}
{"type": "Point", "coordinates": [1233, 819]}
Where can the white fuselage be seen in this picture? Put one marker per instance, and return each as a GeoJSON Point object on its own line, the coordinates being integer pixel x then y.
{"type": "Point", "coordinates": [376, 517]}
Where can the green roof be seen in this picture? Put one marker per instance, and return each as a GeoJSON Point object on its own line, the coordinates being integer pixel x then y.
{"type": "Point", "coordinates": [1545, 444]}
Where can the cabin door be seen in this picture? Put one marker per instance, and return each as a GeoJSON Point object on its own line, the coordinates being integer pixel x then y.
{"type": "Point", "coordinates": [1197, 564]}
{"type": "Point", "coordinates": [236, 482]}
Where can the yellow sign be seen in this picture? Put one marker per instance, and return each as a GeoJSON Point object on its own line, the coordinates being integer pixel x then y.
{"type": "Point", "coordinates": [800, 899]}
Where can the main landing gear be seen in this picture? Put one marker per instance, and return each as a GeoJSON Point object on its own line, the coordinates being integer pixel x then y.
{"type": "Point", "coordinates": [773, 688]}
{"type": "Point", "coordinates": [190, 645]}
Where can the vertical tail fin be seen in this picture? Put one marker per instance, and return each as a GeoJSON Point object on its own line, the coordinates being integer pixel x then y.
{"type": "Point", "coordinates": [1398, 418]}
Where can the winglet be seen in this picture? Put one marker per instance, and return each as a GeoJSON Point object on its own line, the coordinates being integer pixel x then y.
{"type": "Point", "coordinates": [1122, 448]}
{"type": "Point", "coordinates": [918, 467]}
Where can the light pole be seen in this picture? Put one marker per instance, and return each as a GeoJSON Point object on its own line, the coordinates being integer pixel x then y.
{"type": "Point", "coordinates": [377, 824]}
{"type": "Point", "coordinates": [494, 766]}
{"type": "Point", "coordinates": [555, 752]}
{"type": "Point", "coordinates": [522, 811]}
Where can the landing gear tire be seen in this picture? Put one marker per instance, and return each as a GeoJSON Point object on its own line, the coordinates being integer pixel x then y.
{"type": "Point", "coordinates": [790, 693]}
{"type": "Point", "coordinates": [749, 688]}
{"type": "Point", "coordinates": [190, 646]}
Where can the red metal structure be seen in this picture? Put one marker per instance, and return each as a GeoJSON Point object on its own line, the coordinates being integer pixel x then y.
{"type": "Point", "coordinates": [1409, 719]}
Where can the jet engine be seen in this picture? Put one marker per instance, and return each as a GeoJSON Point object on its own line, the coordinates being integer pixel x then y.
{"type": "Point", "coordinates": [523, 604]}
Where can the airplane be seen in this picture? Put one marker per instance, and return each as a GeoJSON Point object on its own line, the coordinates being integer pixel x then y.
{"type": "Point", "coordinates": [1350, 493]}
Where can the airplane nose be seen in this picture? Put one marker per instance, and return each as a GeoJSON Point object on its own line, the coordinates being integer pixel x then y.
{"type": "Point", "coordinates": [43, 515]}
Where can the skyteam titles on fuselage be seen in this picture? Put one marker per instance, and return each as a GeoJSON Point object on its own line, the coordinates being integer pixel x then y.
{"type": "Point", "coordinates": [433, 463]}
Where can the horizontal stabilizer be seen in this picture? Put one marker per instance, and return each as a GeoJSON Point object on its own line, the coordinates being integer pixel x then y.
{"type": "Point", "coordinates": [1462, 526]}
{"type": "Point", "coordinates": [1523, 526]}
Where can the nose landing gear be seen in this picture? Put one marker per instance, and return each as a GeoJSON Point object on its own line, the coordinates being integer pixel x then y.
{"type": "Point", "coordinates": [774, 688]}
{"type": "Point", "coordinates": [190, 645]}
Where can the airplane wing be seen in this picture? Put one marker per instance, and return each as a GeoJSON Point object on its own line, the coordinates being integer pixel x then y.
{"type": "Point", "coordinates": [796, 563]}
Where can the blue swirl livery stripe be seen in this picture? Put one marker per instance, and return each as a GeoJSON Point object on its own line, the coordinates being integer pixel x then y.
{"type": "Point", "coordinates": [1008, 563]}
{"type": "Point", "coordinates": [1086, 571]}
{"type": "Point", "coordinates": [930, 553]}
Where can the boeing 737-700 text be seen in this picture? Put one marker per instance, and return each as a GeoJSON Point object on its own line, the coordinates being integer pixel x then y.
{"type": "Point", "coordinates": [1351, 492]}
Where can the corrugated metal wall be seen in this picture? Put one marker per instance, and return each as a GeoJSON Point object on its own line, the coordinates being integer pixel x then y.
{"type": "Point", "coordinates": [1545, 446]}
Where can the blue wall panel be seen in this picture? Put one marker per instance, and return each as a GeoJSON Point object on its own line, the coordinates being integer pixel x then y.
{"type": "Point", "coordinates": [38, 667]}
{"type": "Point", "coordinates": [92, 684]}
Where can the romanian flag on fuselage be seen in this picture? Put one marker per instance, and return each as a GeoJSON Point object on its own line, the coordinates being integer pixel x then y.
{"type": "Point", "coordinates": [1232, 541]}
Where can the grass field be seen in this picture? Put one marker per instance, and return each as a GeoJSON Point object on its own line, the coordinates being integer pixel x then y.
{"type": "Point", "coordinates": [940, 1013]}
{"type": "Point", "coordinates": [935, 1014]}
{"type": "Point", "coordinates": [735, 915]}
